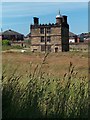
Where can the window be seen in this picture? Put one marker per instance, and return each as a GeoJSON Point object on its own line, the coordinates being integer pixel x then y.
{"type": "Point", "coordinates": [42, 30]}
{"type": "Point", "coordinates": [48, 39]}
{"type": "Point", "coordinates": [42, 47]}
{"type": "Point", "coordinates": [49, 48]}
{"type": "Point", "coordinates": [42, 38]}
{"type": "Point", "coordinates": [34, 50]}
{"type": "Point", "coordinates": [48, 30]}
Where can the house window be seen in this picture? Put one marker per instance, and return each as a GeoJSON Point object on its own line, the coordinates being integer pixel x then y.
{"type": "Point", "coordinates": [48, 39]}
{"type": "Point", "coordinates": [42, 30]}
{"type": "Point", "coordinates": [49, 48]}
{"type": "Point", "coordinates": [42, 38]}
{"type": "Point", "coordinates": [34, 50]}
{"type": "Point", "coordinates": [48, 30]}
{"type": "Point", "coordinates": [42, 47]}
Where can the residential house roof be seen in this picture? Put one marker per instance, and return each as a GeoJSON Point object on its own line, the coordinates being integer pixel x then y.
{"type": "Point", "coordinates": [28, 35]}
{"type": "Point", "coordinates": [85, 34]}
{"type": "Point", "coordinates": [11, 32]}
{"type": "Point", "coordinates": [71, 34]}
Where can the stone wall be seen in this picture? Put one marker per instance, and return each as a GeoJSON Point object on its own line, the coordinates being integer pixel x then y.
{"type": "Point", "coordinates": [56, 38]}
{"type": "Point", "coordinates": [79, 47]}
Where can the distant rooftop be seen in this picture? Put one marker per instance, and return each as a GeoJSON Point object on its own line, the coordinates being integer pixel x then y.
{"type": "Point", "coordinates": [71, 34]}
{"type": "Point", "coordinates": [11, 32]}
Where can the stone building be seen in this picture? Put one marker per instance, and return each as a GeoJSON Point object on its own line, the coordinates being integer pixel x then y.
{"type": "Point", "coordinates": [50, 37]}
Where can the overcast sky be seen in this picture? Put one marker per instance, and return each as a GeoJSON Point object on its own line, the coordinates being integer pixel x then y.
{"type": "Point", "coordinates": [19, 15]}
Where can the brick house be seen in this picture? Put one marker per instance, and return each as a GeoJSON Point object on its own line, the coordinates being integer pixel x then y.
{"type": "Point", "coordinates": [50, 37]}
{"type": "Point", "coordinates": [73, 38]}
{"type": "Point", "coordinates": [12, 35]}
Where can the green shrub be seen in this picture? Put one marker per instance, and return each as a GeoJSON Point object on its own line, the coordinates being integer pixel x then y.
{"type": "Point", "coordinates": [6, 42]}
{"type": "Point", "coordinates": [16, 47]}
{"type": "Point", "coordinates": [27, 41]}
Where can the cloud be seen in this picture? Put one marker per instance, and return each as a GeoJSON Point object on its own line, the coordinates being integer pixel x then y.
{"type": "Point", "coordinates": [45, 1]}
{"type": "Point", "coordinates": [12, 10]}
{"type": "Point", "coordinates": [13, 23]}
{"type": "Point", "coordinates": [21, 13]}
{"type": "Point", "coordinates": [15, 15]}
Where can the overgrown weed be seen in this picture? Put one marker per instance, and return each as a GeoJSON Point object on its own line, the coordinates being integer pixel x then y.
{"type": "Point", "coordinates": [44, 96]}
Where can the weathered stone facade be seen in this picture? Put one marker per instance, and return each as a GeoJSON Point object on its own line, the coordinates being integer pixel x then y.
{"type": "Point", "coordinates": [50, 37]}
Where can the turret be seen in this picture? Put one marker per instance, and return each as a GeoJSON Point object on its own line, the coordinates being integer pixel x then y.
{"type": "Point", "coordinates": [59, 18]}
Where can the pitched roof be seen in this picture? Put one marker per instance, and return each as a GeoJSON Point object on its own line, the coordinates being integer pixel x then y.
{"type": "Point", "coordinates": [11, 32]}
{"type": "Point", "coordinates": [71, 34]}
{"type": "Point", "coordinates": [84, 34]}
{"type": "Point", "coordinates": [28, 35]}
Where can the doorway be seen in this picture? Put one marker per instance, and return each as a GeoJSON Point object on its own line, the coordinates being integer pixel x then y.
{"type": "Point", "coordinates": [56, 49]}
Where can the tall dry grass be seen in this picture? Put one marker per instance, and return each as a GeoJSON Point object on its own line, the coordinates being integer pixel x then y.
{"type": "Point", "coordinates": [43, 96]}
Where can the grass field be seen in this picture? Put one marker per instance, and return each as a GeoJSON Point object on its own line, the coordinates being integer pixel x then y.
{"type": "Point", "coordinates": [37, 85]}
{"type": "Point", "coordinates": [56, 63]}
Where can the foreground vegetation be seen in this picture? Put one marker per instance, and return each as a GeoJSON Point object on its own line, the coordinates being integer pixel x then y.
{"type": "Point", "coordinates": [37, 94]}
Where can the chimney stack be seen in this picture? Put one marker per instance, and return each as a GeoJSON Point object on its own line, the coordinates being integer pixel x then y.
{"type": "Point", "coordinates": [64, 18]}
{"type": "Point", "coordinates": [36, 20]}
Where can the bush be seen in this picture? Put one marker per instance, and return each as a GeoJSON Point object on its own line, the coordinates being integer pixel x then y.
{"type": "Point", "coordinates": [16, 47]}
{"type": "Point", "coordinates": [6, 42]}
